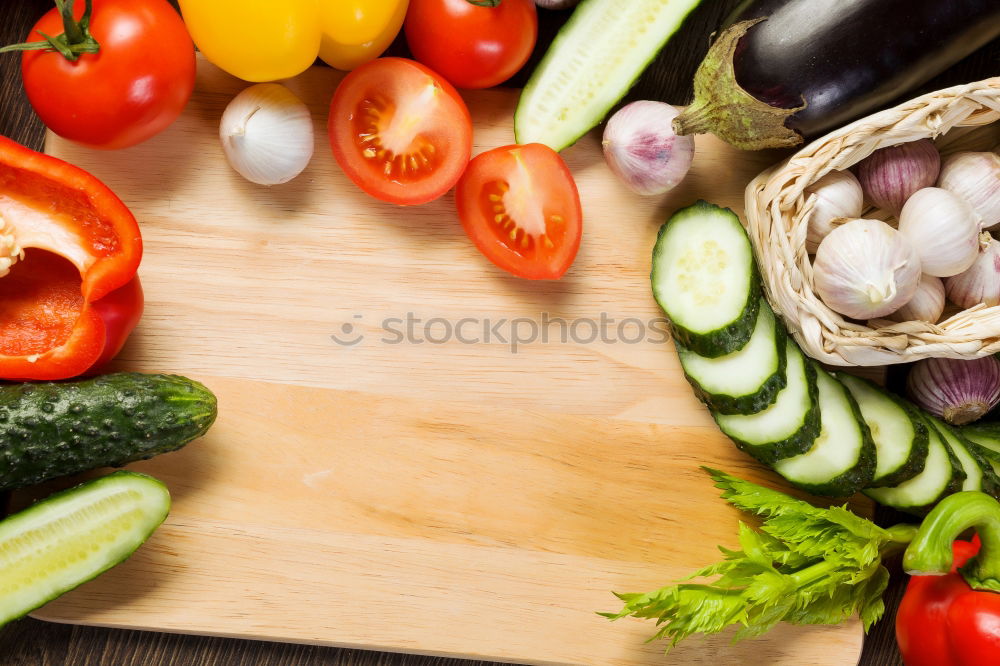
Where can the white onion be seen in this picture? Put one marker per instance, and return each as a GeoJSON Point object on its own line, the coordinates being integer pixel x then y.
{"type": "Point", "coordinates": [865, 269]}
{"type": "Point", "coordinates": [958, 391]}
{"type": "Point", "coordinates": [642, 150]}
{"type": "Point", "coordinates": [927, 303]}
{"type": "Point", "coordinates": [976, 178]}
{"type": "Point", "coordinates": [981, 282]}
{"type": "Point", "coordinates": [944, 230]}
{"type": "Point", "coordinates": [838, 196]}
{"type": "Point", "coordinates": [267, 134]}
{"type": "Point", "coordinates": [889, 176]}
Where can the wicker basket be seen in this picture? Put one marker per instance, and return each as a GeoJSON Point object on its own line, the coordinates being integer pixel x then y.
{"type": "Point", "coordinates": [960, 118]}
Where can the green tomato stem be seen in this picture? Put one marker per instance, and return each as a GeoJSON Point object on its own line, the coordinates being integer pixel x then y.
{"type": "Point", "coordinates": [75, 39]}
{"type": "Point", "coordinates": [485, 3]}
{"type": "Point", "coordinates": [930, 552]}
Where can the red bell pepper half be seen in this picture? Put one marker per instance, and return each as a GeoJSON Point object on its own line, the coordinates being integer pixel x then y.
{"type": "Point", "coordinates": [69, 250]}
{"type": "Point", "coordinates": [950, 615]}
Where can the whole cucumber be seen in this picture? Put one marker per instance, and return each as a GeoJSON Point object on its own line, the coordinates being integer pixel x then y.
{"type": "Point", "coordinates": [58, 428]}
{"type": "Point", "coordinates": [788, 69]}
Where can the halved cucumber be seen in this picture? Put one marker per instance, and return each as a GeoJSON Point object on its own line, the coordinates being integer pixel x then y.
{"type": "Point", "coordinates": [591, 64]}
{"type": "Point", "coordinates": [790, 425]}
{"type": "Point", "coordinates": [942, 476]}
{"type": "Point", "coordinates": [842, 459]}
{"type": "Point", "coordinates": [71, 537]}
{"type": "Point", "coordinates": [747, 380]}
{"type": "Point", "coordinates": [979, 475]}
{"type": "Point", "coordinates": [899, 433]}
{"type": "Point", "coordinates": [704, 278]}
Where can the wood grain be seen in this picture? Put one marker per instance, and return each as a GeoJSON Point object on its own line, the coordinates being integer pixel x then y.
{"type": "Point", "coordinates": [458, 498]}
{"type": "Point", "coordinates": [271, 273]}
{"type": "Point", "coordinates": [412, 525]}
{"type": "Point", "coordinates": [33, 643]}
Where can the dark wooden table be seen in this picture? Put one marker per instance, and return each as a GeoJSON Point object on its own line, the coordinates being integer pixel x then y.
{"type": "Point", "coordinates": [32, 643]}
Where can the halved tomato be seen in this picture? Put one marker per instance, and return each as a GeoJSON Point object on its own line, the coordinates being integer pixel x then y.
{"type": "Point", "coordinates": [520, 206]}
{"type": "Point", "coordinates": [400, 131]}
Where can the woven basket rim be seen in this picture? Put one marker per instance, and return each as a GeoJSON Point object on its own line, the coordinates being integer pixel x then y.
{"type": "Point", "coordinates": [777, 210]}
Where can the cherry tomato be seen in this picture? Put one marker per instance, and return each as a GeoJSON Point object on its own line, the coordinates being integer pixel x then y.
{"type": "Point", "coordinates": [134, 87]}
{"type": "Point", "coordinates": [520, 206]}
{"type": "Point", "coordinates": [472, 46]}
{"type": "Point", "coordinates": [399, 131]}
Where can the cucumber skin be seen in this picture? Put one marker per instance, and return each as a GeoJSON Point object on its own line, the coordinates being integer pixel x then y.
{"type": "Point", "coordinates": [755, 402]}
{"type": "Point", "coordinates": [990, 482]}
{"type": "Point", "coordinates": [729, 338]}
{"type": "Point", "coordinates": [104, 480]}
{"type": "Point", "coordinates": [798, 443]}
{"type": "Point", "coordinates": [954, 484]}
{"type": "Point", "coordinates": [990, 431]}
{"type": "Point", "coordinates": [55, 429]}
{"type": "Point", "coordinates": [858, 476]}
{"type": "Point", "coordinates": [914, 464]}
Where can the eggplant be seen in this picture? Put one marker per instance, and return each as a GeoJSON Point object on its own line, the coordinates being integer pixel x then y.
{"type": "Point", "coordinates": [785, 70]}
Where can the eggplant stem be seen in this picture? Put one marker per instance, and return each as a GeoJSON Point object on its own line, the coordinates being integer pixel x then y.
{"type": "Point", "coordinates": [722, 107]}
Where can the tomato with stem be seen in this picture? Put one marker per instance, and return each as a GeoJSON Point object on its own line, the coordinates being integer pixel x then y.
{"type": "Point", "coordinates": [109, 74]}
{"type": "Point", "coordinates": [399, 131]}
{"type": "Point", "coordinates": [521, 208]}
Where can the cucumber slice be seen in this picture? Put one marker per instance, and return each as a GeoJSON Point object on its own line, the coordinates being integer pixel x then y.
{"type": "Point", "coordinates": [790, 425]}
{"type": "Point", "coordinates": [973, 473]}
{"type": "Point", "coordinates": [899, 433]}
{"type": "Point", "coordinates": [842, 459]}
{"type": "Point", "coordinates": [591, 64]}
{"type": "Point", "coordinates": [747, 380]}
{"type": "Point", "coordinates": [73, 536]}
{"type": "Point", "coordinates": [986, 435]}
{"type": "Point", "coordinates": [985, 438]}
{"type": "Point", "coordinates": [942, 475]}
{"type": "Point", "coordinates": [705, 279]}
{"type": "Point", "coordinates": [979, 475]}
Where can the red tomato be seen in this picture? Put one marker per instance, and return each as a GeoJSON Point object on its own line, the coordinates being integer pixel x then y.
{"type": "Point", "coordinates": [470, 45]}
{"type": "Point", "coordinates": [135, 86]}
{"type": "Point", "coordinates": [399, 131]}
{"type": "Point", "coordinates": [520, 206]}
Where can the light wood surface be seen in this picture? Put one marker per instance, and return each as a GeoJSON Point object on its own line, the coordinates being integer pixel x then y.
{"type": "Point", "coordinates": [452, 498]}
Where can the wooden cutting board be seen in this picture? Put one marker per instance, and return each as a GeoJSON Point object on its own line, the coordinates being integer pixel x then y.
{"type": "Point", "coordinates": [411, 490]}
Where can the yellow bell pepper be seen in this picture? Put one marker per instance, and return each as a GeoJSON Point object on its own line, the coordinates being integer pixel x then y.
{"type": "Point", "coordinates": [357, 31]}
{"type": "Point", "coordinates": [266, 40]}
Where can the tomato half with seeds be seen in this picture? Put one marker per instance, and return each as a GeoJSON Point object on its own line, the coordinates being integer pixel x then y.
{"type": "Point", "coordinates": [400, 131]}
{"type": "Point", "coordinates": [521, 207]}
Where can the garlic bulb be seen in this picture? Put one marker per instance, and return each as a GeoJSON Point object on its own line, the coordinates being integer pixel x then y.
{"type": "Point", "coordinates": [944, 230]}
{"type": "Point", "coordinates": [958, 391]}
{"type": "Point", "coordinates": [642, 150]}
{"type": "Point", "coordinates": [267, 134]}
{"type": "Point", "coordinates": [976, 178]}
{"type": "Point", "coordinates": [838, 195]}
{"type": "Point", "coordinates": [927, 303]}
{"type": "Point", "coordinates": [865, 269]}
{"type": "Point", "coordinates": [889, 176]}
{"type": "Point", "coordinates": [981, 282]}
